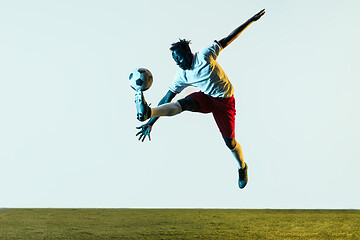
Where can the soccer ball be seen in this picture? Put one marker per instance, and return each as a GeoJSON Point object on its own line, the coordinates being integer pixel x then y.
{"type": "Point", "coordinates": [140, 79]}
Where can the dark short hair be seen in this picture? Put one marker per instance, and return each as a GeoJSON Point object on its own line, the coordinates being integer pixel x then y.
{"type": "Point", "coordinates": [182, 46]}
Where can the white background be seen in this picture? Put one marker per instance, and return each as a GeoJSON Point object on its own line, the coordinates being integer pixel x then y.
{"type": "Point", "coordinates": [68, 118]}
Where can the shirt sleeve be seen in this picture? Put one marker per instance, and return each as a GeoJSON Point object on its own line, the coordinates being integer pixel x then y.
{"type": "Point", "coordinates": [212, 51]}
{"type": "Point", "coordinates": [179, 82]}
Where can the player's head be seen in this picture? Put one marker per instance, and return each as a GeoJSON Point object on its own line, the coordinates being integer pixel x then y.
{"type": "Point", "coordinates": [182, 54]}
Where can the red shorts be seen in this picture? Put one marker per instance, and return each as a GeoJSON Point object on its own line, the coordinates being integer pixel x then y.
{"type": "Point", "coordinates": [223, 110]}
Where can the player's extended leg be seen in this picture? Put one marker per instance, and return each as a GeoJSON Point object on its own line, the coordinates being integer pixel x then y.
{"type": "Point", "coordinates": [168, 109]}
{"type": "Point", "coordinates": [171, 109]}
{"type": "Point", "coordinates": [236, 150]}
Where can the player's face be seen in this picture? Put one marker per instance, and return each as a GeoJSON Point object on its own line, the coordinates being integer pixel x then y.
{"type": "Point", "coordinates": [183, 60]}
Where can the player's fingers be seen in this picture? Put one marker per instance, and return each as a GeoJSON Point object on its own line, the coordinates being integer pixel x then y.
{"type": "Point", "coordinates": [143, 138]}
{"type": "Point", "coordinates": [259, 14]}
{"type": "Point", "coordinates": [149, 137]}
{"type": "Point", "coordinates": [140, 137]}
{"type": "Point", "coordinates": [138, 133]}
{"type": "Point", "coordinates": [139, 127]}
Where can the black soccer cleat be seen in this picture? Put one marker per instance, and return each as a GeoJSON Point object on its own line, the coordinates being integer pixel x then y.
{"type": "Point", "coordinates": [143, 109]}
{"type": "Point", "coordinates": [243, 177]}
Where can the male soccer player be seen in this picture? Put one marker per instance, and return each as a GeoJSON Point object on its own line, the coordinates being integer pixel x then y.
{"type": "Point", "coordinates": [215, 96]}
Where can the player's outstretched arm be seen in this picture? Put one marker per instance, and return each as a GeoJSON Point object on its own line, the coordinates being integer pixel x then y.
{"type": "Point", "coordinates": [234, 34]}
{"type": "Point", "coordinates": [146, 128]}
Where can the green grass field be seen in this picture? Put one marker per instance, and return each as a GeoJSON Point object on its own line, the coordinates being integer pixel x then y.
{"type": "Point", "coordinates": [178, 224]}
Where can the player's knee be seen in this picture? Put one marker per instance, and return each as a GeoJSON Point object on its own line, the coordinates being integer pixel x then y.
{"type": "Point", "coordinates": [189, 104]}
{"type": "Point", "coordinates": [230, 142]}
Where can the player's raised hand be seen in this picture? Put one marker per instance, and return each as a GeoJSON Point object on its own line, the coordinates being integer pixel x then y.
{"type": "Point", "coordinates": [258, 15]}
{"type": "Point", "coordinates": [145, 131]}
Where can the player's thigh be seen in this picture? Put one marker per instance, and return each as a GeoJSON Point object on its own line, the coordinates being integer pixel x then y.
{"type": "Point", "coordinates": [189, 104]}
